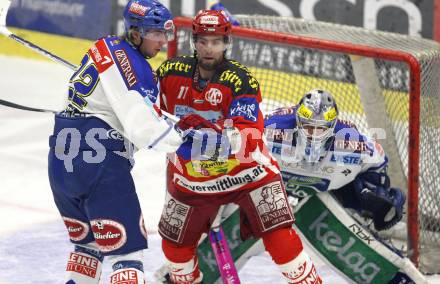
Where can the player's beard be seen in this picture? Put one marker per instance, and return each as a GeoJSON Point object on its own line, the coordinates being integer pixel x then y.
{"type": "Point", "coordinates": [210, 66]}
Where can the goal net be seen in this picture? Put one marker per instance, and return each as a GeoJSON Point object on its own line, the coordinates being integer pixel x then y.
{"type": "Point", "coordinates": [387, 84]}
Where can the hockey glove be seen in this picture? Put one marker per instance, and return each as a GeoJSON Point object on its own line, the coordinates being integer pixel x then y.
{"type": "Point", "coordinates": [383, 204]}
{"type": "Point", "coordinates": [194, 121]}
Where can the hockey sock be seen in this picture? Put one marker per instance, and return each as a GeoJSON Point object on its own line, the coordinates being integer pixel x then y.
{"type": "Point", "coordinates": [283, 245]}
{"type": "Point", "coordinates": [127, 268]}
{"type": "Point", "coordinates": [183, 263]}
{"type": "Point", "coordinates": [84, 266]}
{"type": "Point", "coordinates": [300, 270]}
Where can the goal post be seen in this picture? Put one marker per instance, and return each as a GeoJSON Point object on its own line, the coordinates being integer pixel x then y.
{"type": "Point", "coordinates": [380, 80]}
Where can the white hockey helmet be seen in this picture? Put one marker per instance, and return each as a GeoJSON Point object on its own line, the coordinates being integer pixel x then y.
{"type": "Point", "coordinates": [316, 117]}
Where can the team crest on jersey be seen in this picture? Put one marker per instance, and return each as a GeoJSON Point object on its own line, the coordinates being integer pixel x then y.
{"type": "Point", "coordinates": [173, 219]}
{"type": "Point", "coordinates": [214, 96]}
{"type": "Point", "coordinates": [245, 107]}
{"type": "Point", "coordinates": [77, 230]}
{"type": "Point", "coordinates": [109, 235]}
{"type": "Point", "coordinates": [138, 9]}
{"type": "Point", "coordinates": [271, 204]}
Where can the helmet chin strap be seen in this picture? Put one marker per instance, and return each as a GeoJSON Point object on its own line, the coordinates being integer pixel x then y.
{"type": "Point", "coordinates": [138, 46]}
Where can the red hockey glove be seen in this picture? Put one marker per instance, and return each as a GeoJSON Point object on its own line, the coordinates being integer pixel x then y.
{"type": "Point", "coordinates": [195, 121]}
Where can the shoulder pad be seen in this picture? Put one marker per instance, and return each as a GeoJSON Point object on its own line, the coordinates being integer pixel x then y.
{"type": "Point", "coordinates": [239, 79]}
{"type": "Point", "coordinates": [182, 65]}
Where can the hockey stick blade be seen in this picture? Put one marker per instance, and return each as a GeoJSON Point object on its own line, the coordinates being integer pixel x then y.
{"type": "Point", "coordinates": [17, 106]}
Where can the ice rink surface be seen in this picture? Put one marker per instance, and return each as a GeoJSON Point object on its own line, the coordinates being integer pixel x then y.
{"type": "Point", "coordinates": [33, 241]}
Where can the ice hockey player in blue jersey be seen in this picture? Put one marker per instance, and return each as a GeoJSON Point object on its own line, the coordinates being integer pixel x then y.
{"type": "Point", "coordinates": [309, 141]}
{"type": "Point", "coordinates": [111, 111]}
{"type": "Point", "coordinates": [338, 183]}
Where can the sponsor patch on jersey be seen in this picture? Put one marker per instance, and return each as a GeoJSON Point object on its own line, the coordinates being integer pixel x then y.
{"type": "Point", "coordinates": [173, 219]}
{"type": "Point", "coordinates": [224, 183]}
{"type": "Point", "coordinates": [114, 134]}
{"type": "Point", "coordinates": [279, 135]}
{"type": "Point", "coordinates": [125, 67]}
{"type": "Point", "coordinates": [138, 9]}
{"type": "Point", "coordinates": [346, 159]}
{"type": "Point", "coordinates": [271, 204]}
{"type": "Point", "coordinates": [82, 264]}
{"type": "Point", "coordinates": [101, 56]}
{"type": "Point", "coordinates": [209, 20]}
{"type": "Point", "coordinates": [151, 94]}
{"type": "Point", "coordinates": [174, 66]}
{"type": "Point", "coordinates": [353, 146]}
{"type": "Point", "coordinates": [245, 107]}
{"type": "Point", "coordinates": [214, 96]}
{"type": "Point", "coordinates": [210, 168]}
{"type": "Point", "coordinates": [77, 230]}
{"type": "Point", "coordinates": [233, 78]}
{"type": "Point", "coordinates": [109, 235]}
{"type": "Point", "coordinates": [211, 115]}
{"type": "Point", "coordinates": [280, 111]}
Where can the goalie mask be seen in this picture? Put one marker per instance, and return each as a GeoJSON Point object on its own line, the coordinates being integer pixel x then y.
{"type": "Point", "coordinates": [316, 117]}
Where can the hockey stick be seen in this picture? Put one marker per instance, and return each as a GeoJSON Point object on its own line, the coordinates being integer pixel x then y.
{"type": "Point", "coordinates": [4, 7]}
{"type": "Point", "coordinates": [220, 247]}
{"type": "Point", "coordinates": [22, 107]}
{"type": "Point", "coordinates": [225, 262]}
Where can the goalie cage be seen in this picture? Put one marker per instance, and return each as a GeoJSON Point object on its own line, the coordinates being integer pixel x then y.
{"type": "Point", "coordinates": [387, 84]}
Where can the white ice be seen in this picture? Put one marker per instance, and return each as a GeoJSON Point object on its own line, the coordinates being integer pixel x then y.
{"type": "Point", "coordinates": [33, 240]}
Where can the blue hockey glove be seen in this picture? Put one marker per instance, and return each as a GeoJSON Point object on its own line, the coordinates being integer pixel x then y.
{"type": "Point", "coordinates": [382, 203]}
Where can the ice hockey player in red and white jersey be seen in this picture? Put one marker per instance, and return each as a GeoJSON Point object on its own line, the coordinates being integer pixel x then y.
{"type": "Point", "coordinates": [226, 161]}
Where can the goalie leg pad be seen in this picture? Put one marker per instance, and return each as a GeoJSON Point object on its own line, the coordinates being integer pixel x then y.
{"type": "Point", "coordinates": [300, 270]}
{"type": "Point", "coordinates": [84, 266]}
{"type": "Point", "coordinates": [283, 245]}
{"type": "Point", "coordinates": [183, 263]}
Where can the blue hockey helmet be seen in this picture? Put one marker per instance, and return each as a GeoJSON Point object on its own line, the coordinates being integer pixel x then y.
{"type": "Point", "coordinates": [148, 15]}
